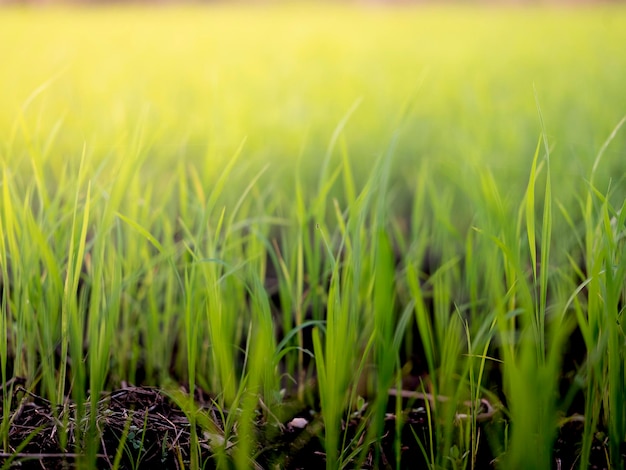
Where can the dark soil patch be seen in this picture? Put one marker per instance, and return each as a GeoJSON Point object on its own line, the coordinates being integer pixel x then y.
{"type": "Point", "coordinates": [148, 430]}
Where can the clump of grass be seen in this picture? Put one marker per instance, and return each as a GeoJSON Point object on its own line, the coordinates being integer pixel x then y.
{"type": "Point", "coordinates": [276, 236]}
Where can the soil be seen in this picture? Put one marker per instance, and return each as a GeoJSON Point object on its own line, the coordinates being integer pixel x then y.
{"type": "Point", "coordinates": [158, 434]}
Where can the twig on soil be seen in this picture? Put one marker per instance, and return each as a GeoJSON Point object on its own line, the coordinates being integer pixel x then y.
{"type": "Point", "coordinates": [14, 381]}
{"type": "Point", "coordinates": [43, 456]}
{"type": "Point", "coordinates": [485, 416]}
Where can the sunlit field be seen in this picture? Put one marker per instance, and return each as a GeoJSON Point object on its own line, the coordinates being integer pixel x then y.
{"type": "Point", "coordinates": [343, 236]}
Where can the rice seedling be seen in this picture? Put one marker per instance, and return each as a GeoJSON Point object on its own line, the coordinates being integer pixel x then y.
{"type": "Point", "coordinates": [305, 236]}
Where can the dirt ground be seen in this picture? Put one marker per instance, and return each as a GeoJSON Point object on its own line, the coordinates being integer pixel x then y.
{"type": "Point", "coordinates": [157, 434]}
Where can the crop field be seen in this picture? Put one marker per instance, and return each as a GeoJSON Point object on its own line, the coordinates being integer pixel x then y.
{"type": "Point", "coordinates": [308, 236]}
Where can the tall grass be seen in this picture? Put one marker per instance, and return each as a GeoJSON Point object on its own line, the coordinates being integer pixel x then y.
{"type": "Point", "coordinates": [181, 204]}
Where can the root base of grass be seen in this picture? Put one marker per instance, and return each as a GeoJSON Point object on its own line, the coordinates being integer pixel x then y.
{"type": "Point", "coordinates": [155, 433]}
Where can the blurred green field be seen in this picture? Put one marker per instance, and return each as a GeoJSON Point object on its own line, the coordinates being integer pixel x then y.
{"type": "Point", "coordinates": [161, 166]}
{"type": "Point", "coordinates": [200, 80]}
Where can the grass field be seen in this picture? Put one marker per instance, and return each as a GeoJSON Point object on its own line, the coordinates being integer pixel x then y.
{"type": "Point", "coordinates": [319, 209]}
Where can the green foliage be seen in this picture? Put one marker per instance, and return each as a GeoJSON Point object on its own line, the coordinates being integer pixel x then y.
{"type": "Point", "coordinates": [189, 195]}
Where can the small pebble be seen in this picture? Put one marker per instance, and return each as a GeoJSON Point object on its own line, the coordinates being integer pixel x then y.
{"type": "Point", "coordinates": [299, 423]}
